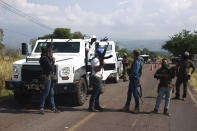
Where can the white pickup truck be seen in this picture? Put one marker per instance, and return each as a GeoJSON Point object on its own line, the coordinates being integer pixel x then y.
{"type": "Point", "coordinates": [113, 67]}
{"type": "Point", "coordinates": [72, 68]}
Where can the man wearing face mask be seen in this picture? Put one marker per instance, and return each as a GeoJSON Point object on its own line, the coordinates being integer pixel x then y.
{"type": "Point", "coordinates": [183, 74]}
{"type": "Point", "coordinates": [165, 75]}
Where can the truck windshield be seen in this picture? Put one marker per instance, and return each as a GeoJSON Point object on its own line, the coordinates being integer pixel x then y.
{"type": "Point", "coordinates": [103, 47]}
{"type": "Point", "coordinates": [60, 47]}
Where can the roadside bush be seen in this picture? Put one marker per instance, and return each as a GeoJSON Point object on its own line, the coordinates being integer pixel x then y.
{"type": "Point", "coordinates": [5, 72]}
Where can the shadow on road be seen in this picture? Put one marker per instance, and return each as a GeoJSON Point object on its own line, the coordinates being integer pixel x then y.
{"type": "Point", "coordinates": [153, 97]}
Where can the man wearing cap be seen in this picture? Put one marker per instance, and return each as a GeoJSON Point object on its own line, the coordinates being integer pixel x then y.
{"type": "Point", "coordinates": [183, 74]}
{"type": "Point", "coordinates": [96, 81]}
{"type": "Point", "coordinates": [134, 77]}
{"type": "Point", "coordinates": [125, 63]}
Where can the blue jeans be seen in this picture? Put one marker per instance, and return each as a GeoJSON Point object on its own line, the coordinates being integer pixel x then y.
{"type": "Point", "coordinates": [48, 90]}
{"type": "Point", "coordinates": [164, 91]}
{"type": "Point", "coordinates": [94, 99]}
{"type": "Point", "coordinates": [133, 85]}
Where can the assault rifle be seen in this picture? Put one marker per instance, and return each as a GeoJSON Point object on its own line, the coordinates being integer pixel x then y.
{"type": "Point", "coordinates": [104, 52]}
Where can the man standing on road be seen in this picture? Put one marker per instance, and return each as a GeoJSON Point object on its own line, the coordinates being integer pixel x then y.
{"type": "Point", "coordinates": [125, 63]}
{"type": "Point", "coordinates": [165, 75]}
{"type": "Point", "coordinates": [183, 74]}
{"type": "Point", "coordinates": [46, 63]}
{"type": "Point", "coordinates": [134, 77]}
{"type": "Point", "coordinates": [96, 81]}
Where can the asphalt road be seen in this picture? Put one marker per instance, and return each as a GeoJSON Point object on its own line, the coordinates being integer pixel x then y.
{"type": "Point", "coordinates": [27, 118]}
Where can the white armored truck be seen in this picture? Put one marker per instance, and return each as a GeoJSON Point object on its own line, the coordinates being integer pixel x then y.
{"type": "Point", "coordinates": [72, 68]}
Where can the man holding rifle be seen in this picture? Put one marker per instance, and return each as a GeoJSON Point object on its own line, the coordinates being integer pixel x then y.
{"type": "Point", "coordinates": [96, 80]}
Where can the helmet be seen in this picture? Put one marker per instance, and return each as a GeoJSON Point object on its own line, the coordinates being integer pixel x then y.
{"type": "Point", "coordinates": [100, 50]}
{"type": "Point", "coordinates": [93, 36]}
{"type": "Point", "coordinates": [186, 53]}
{"type": "Point", "coordinates": [125, 54]}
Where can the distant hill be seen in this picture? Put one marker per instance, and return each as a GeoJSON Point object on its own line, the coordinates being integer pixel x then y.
{"type": "Point", "coordinates": [153, 45]}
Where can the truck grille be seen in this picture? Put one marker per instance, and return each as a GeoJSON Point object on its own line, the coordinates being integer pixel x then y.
{"type": "Point", "coordinates": [32, 73]}
{"type": "Point", "coordinates": [109, 67]}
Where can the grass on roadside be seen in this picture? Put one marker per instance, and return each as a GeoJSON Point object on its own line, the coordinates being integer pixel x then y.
{"type": "Point", "coordinates": [5, 74]}
{"type": "Point", "coordinates": [193, 80]}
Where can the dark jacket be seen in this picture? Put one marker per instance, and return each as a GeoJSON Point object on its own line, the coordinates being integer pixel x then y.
{"type": "Point", "coordinates": [165, 75]}
{"type": "Point", "coordinates": [46, 64]}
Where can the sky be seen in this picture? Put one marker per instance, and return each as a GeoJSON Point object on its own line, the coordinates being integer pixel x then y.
{"type": "Point", "coordinates": [117, 19]}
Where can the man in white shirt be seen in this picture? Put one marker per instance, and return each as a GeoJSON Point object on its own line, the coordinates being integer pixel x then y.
{"type": "Point", "coordinates": [96, 80]}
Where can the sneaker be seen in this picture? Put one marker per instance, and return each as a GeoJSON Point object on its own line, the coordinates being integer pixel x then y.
{"type": "Point", "coordinates": [136, 110]}
{"type": "Point", "coordinates": [125, 108]}
{"type": "Point", "coordinates": [155, 110]}
{"type": "Point", "coordinates": [91, 109]}
{"type": "Point", "coordinates": [99, 108]}
{"type": "Point", "coordinates": [42, 111]}
{"type": "Point", "coordinates": [55, 110]}
{"type": "Point", "coordinates": [176, 98]}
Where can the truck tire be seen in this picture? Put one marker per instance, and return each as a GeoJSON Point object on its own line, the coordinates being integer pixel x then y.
{"type": "Point", "coordinates": [21, 96]}
{"type": "Point", "coordinates": [81, 93]}
{"type": "Point", "coordinates": [116, 78]}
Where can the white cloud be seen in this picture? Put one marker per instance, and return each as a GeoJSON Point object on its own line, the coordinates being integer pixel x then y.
{"type": "Point", "coordinates": [123, 2]}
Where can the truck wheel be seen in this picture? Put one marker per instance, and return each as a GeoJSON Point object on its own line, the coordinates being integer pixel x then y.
{"type": "Point", "coordinates": [81, 93]}
{"type": "Point", "coordinates": [21, 97]}
{"type": "Point", "coordinates": [116, 79]}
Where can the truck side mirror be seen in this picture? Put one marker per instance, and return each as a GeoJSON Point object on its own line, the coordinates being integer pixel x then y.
{"type": "Point", "coordinates": [24, 48]}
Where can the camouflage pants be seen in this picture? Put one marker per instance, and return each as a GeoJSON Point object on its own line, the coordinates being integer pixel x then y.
{"type": "Point", "coordinates": [124, 72]}
{"type": "Point", "coordinates": [179, 81]}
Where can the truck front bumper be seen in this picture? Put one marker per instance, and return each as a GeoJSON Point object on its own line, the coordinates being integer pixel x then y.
{"type": "Point", "coordinates": [10, 85]}
{"type": "Point", "coordinates": [58, 88]}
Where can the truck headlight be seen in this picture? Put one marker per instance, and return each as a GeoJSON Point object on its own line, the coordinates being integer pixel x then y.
{"type": "Point", "coordinates": [65, 71]}
{"type": "Point", "coordinates": [15, 69]}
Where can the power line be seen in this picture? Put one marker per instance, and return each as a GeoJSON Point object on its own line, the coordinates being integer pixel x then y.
{"type": "Point", "coordinates": [14, 10]}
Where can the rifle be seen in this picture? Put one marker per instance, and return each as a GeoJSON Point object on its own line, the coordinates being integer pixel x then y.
{"type": "Point", "coordinates": [104, 52]}
{"type": "Point", "coordinates": [53, 76]}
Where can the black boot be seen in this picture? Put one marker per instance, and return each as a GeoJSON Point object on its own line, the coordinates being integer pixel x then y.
{"type": "Point", "coordinates": [165, 112]}
{"type": "Point", "coordinates": [99, 108]}
{"type": "Point", "coordinates": [176, 98]}
{"type": "Point", "coordinates": [91, 109]}
{"type": "Point", "coordinates": [155, 110]}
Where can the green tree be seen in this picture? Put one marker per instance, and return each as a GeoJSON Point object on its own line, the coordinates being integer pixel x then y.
{"type": "Point", "coordinates": [1, 35]}
{"type": "Point", "coordinates": [77, 35]}
{"type": "Point", "coordinates": [2, 47]}
{"type": "Point", "coordinates": [181, 42]}
{"type": "Point", "coordinates": [62, 33]}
